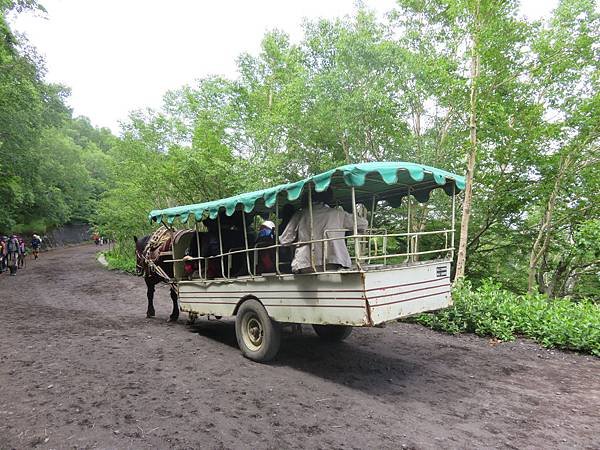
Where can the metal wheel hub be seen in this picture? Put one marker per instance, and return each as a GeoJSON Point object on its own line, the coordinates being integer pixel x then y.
{"type": "Point", "coordinates": [253, 333]}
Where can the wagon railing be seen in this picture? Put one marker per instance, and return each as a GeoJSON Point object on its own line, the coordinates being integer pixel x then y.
{"type": "Point", "coordinates": [369, 239]}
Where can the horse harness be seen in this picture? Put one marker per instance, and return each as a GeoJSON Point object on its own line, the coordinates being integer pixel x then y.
{"type": "Point", "coordinates": [158, 244]}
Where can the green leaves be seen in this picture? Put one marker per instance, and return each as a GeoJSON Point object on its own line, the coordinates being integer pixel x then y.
{"type": "Point", "coordinates": [351, 89]}
{"type": "Point", "coordinates": [492, 311]}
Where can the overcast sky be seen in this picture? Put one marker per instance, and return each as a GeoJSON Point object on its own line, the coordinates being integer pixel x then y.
{"type": "Point", "coordinates": [120, 55]}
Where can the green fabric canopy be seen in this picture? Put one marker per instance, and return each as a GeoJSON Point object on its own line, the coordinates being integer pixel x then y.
{"type": "Point", "coordinates": [390, 181]}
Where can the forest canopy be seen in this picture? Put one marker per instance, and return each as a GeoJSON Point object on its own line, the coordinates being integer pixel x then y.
{"type": "Point", "coordinates": [463, 85]}
{"type": "Point", "coordinates": [53, 167]}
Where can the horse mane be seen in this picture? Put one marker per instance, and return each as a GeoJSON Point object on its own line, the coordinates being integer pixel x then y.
{"type": "Point", "coordinates": [140, 244]}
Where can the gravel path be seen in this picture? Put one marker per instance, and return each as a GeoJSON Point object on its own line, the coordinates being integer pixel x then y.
{"type": "Point", "coordinates": [81, 367]}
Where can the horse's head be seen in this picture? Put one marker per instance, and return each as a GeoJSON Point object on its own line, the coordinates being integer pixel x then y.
{"type": "Point", "coordinates": [140, 245]}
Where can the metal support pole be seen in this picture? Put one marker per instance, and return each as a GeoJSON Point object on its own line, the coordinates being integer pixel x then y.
{"type": "Point", "coordinates": [246, 243]}
{"type": "Point", "coordinates": [198, 247]}
{"type": "Point", "coordinates": [373, 204]}
{"type": "Point", "coordinates": [453, 217]}
{"type": "Point", "coordinates": [384, 248]}
{"type": "Point", "coordinates": [277, 236]}
{"type": "Point", "coordinates": [172, 230]}
{"type": "Point", "coordinates": [408, 236]}
{"type": "Point", "coordinates": [167, 226]}
{"type": "Point", "coordinates": [355, 229]}
{"type": "Point", "coordinates": [310, 212]}
{"type": "Point", "coordinates": [324, 255]}
{"type": "Point", "coordinates": [221, 245]}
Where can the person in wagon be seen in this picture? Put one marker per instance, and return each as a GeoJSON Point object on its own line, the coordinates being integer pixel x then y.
{"type": "Point", "coordinates": [266, 238]}
{"type": "Point", "coordinates": [324, 218]}
{"type": "Point", "coordinates": [265, 231]}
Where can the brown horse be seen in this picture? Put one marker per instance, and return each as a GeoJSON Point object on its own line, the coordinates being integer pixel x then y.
{"type": "Point", "coordinates": [155, 270]}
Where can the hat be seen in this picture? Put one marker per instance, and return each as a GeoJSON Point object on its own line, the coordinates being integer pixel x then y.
{"type": "Point", "coordinates": [268, 224]}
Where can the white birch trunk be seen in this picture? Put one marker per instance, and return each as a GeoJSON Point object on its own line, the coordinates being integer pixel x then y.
{"type": "Point", "coordinates": [468, 196]}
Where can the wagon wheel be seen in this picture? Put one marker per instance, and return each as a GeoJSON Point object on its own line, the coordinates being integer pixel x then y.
{"type": "Point", "coordinates": [257, 335]}
{"type": "Point", "coordinates": [333, 333]}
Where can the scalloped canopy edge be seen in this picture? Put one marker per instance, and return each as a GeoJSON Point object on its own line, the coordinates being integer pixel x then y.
{"type": "Point", "coordinates": [390, 181]}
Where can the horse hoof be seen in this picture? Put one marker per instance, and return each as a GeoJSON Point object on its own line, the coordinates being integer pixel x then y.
{"type": "Point", "coordinates": [149, 315]}
{"type": "Point", "coordinates": [172, 319]}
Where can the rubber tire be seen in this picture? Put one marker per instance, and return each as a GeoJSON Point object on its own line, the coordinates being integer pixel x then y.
{"type": "Point", "coordinates": [271, 332]}
{"type": "Point", "coordinates": [333, 333]}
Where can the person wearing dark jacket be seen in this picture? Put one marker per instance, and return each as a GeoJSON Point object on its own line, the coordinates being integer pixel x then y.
{"type": "Point", "coordinates": [13, 251]}
{"type": "Point", "coordinates": [36, 243]}
{"type": "Point", "coordinates": [3, 253]}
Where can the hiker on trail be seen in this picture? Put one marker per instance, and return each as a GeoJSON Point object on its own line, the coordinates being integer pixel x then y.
{"type": "Point", "coordinates": [22, 252]}
{"type": "Point", "coordinates": [3, 253]}
{"type": "Point", "coordinates": [13, 250]}
{"type": "Point", "coordinates": [36, 243]}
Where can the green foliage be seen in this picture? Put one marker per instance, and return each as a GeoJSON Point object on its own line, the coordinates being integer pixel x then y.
{"type": "Point", "coordinates": [359, 89]}
{"type": "Point", "coordinates": [121, 258]}
{"type": "Point", "coordinates": [490, 310]}
{"type": "Point", "coordinates": [52, 167]}
{"type": "Point", "coordinates": [351, 89]}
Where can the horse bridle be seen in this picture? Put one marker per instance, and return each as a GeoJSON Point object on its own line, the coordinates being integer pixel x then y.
{"type": "Point", "coordinates": [148, 266]}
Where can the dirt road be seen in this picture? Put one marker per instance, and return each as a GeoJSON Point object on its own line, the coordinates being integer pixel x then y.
{"type": "Point", "coordinates": [82, 367]}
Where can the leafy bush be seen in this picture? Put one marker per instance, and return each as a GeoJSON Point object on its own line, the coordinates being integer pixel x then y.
{"type": "Point", "coordinates": [492, 311]}
{"type": "Point", "coordinates": [121, 258]}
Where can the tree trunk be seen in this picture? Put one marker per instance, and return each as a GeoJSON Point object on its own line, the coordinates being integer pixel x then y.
{"type": "Point", "coordinates": [416, 113]}
{"type": "Point", "coordinates": [561, 274]}
{"type": "Point", "coordinates": [346, 149]}
{"type": "Point", "coordinates": [543, 238]}
{"type": "Point", "coordinates": [468, 196]}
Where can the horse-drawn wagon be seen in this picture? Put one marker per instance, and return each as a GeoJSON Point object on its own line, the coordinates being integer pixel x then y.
{"type": "Point", "coordinates": [220, 268]}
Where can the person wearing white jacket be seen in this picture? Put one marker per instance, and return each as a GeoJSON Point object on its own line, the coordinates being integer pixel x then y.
{"type": "Point", "coordinates": [324, 218]}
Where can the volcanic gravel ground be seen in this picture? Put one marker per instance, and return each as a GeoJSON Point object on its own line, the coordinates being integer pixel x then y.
{"type": "Point", "coordinates": [82, 367]}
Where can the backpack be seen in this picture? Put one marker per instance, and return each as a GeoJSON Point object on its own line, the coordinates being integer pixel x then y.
{"type": "Point", "coordinates": [13, 246]}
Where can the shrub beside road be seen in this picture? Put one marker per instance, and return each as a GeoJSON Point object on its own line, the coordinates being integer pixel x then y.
{"type": "Point", "coordinates": [490, 310]}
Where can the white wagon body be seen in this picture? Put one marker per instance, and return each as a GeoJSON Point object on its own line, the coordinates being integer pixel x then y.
{"type": "Point", "coordinates": [364, 298]}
